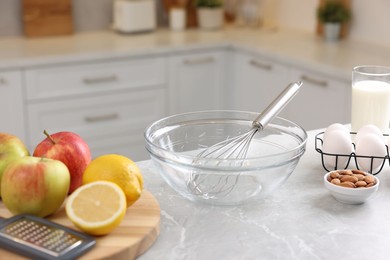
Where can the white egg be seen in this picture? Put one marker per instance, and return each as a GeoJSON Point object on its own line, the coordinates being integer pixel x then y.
{"type": "Point", "coordinates": [333, 127]}
{"type": "Point", "coordinates": [370, 145]}
{"type": "Point", "coordinates": [337, 142]}
{"type": "Point", "coordinates": [367, 129]}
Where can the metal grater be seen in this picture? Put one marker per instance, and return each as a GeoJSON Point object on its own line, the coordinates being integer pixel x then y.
{"type": "Point", "coordinates": [40, 238]}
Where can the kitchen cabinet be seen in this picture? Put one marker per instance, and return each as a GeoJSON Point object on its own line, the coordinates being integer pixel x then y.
{"type": "Point", "coordinates": [321, 101]}
{"type": "Point", "coordinates": [256, 81]}
{"type": "Point", "coordinates": [109, 104]}
{"type": "Point", "coordinates": [197, 81]}
{"type": "Point", "coordinates": [11, 104]}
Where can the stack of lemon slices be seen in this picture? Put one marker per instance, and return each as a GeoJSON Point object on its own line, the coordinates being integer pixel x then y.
{"type": "Point", "coordinates": [111, 184]}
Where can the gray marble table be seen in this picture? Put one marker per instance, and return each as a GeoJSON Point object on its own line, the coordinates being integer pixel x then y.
{"type": "Point", "coordinates": [300, 220]}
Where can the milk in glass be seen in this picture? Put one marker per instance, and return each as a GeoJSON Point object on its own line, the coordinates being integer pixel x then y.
{"type": "Point", "coordinates": [371, 104]}
{"type": "Point", "coordinates": [370, 98]}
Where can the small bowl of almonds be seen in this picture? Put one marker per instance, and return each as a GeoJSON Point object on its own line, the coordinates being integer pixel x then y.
{"type": "Point", "coordinates": [351, 186]}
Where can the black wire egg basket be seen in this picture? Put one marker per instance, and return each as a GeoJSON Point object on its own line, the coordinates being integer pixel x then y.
{"type": "Point", "coordinates": [351, 158]}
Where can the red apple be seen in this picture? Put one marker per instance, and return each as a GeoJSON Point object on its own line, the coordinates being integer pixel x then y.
{"type": "Point", "coordinates": [11, 148]}
{"type": "Point", "coordinates": [34, 185]}
{"type": "Point", "coordinates": [70, 149]}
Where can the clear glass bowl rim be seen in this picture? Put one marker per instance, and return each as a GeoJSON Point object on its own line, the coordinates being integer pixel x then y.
{"type": "Point", "coordinates": [223, 165]}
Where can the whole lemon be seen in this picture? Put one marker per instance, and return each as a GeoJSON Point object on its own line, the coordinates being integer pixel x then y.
{"type": "Point", "coordinates": [118, 169]}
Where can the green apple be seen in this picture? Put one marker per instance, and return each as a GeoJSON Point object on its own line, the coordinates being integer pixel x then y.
{"type": "Point", "coordinates": [34, 185]}
{"type": "Point", "coordinates": [11, 148]}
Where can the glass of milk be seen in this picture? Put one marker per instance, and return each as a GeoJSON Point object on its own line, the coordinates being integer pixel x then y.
{"type": "Point", "coordinates": [370, 97]}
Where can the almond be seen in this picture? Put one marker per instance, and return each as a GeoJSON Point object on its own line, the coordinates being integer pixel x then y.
{"type": "Point", "coordinates": [361, 184]}
{"type": "Point", "coordinates": [347, 184]}
{"type": "Point", "coordinates": [335, 181]}
{"type": "Point", "coordinates": [334, 175]}
{"type": "Point", "coordinates": [359, 176]}
{"type": "Point", "coordinates": [349, 178]}
{"type": "Point", "coordinates": [369, 179]}
{"type": "Point", "coordinates": [355, 171]}
{"type": "Point", "coordinates": [345, 172]}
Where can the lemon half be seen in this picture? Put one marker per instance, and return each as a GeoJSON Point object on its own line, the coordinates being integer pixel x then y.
{"type": "Point", "coordinates": [97, 208]}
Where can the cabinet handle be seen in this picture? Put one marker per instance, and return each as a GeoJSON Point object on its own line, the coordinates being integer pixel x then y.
{"type": "Point", "coordinates": [3, 81]}
{"type": "Point", "coordinates": [103, 79]}
{"type": "Point", "coordinates": [318, 82]}
{"type": "Point", "coordinates": [198, 61]}
{"type": "Point", "coordinates": [92, 119]}
{"type": "Point", "coordinates": [260, 65]}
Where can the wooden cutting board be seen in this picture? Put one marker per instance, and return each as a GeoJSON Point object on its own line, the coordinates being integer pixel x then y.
{"type": "Point", "coordinates": [47, 17]}
{"type": "Point", "coordinates": [137, 232]}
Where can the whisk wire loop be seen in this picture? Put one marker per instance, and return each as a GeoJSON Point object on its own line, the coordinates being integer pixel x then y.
{"type": "Point", "coordinates": [236, 147]}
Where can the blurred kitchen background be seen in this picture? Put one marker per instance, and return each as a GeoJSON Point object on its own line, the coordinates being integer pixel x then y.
{"type": "Point", "coordinates": [143, 75]}
{"type": "Point", "coordinates": [369, 23]}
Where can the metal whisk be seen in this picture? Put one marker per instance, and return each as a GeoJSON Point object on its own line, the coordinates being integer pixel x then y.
{"type": "Point", "coordinates": [211, 187]}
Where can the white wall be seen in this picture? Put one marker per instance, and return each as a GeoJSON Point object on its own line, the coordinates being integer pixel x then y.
{"type": "Point", "coordinates": [370, 22]}
{"type": "Point", "coordinates": [300, 14]}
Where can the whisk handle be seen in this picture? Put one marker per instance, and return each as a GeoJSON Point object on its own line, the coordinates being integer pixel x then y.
{"type": "Point", "coordinates": [277, 105]}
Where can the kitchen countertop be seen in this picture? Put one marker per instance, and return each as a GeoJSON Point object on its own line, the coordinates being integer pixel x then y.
{"type": "Point", "coordinates": [300, 220]}
{"type": "Point", "coordinates": [283, 45]}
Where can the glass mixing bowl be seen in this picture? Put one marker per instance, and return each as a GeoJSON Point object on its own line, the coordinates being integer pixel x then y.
{"type": "Point", "coordinates": [175, 141]}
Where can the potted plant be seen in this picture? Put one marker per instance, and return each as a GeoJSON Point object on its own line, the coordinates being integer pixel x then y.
{"type": "Point", "coordinates": [332, 14]}
{"type": "Point", "coordinates": [210, 13]}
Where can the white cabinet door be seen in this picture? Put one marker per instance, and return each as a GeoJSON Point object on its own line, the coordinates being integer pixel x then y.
{"type": "Point", "coordinates": [113, 123]}
{"type": "Point", "coordinates": [11, 104]}
{"type": "Point", "coordinates": [197, 81]}
{"type": "Point", "coordinates": [321, 101]}
{"type": "Point", "coordinates": [256, 82]}
{"type": "Point", "coordinates": [109, 104]}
